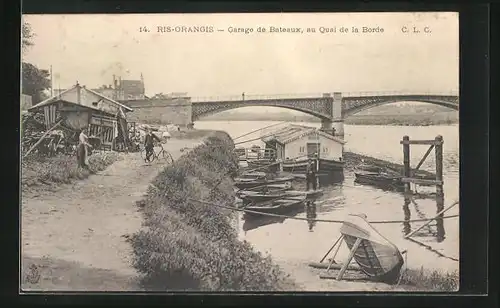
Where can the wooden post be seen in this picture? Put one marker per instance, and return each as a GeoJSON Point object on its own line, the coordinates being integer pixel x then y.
{"type": "Point", "coordinates": [407, 192]}
{"type": "Point", "coordinates": [335, 254]}
{"type": "Point", "coordinates": [331, 248]}
{"type": "Point", "coordinates": [349, 258]}
{"type": "Point", "coordinates": [439, 187]}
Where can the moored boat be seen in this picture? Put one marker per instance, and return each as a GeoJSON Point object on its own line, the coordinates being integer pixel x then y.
{"type": "Point", "coordinates": [271, 187]}
{"type": "Point", "coordinates": [242, 183]}
{"type": "Point", "coordinates": [307, 193]}
{"type": "Point", "coordinates": [280, 206]}
{"type": "Point", "coordinates": [269, 165]}
{"type": "Point", "coordinates": [380, 179]}
{"type": "Point", "coordinates": [253, 196]}
{"type": "Point", "coordinates": [377, 257]}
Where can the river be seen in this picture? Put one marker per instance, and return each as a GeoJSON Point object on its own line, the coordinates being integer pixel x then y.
{"type": "Point", "coordinates": [292, 241]}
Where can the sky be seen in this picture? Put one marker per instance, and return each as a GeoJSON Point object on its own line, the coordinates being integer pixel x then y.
{"type": "Point", "coordinates": [91, 48]}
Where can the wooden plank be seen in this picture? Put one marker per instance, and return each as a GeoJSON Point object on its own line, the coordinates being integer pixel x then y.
{"type": "Point", "coordinates": [334, 266]}
{"type": "Point", "coordinates": [349, 259]}
{"type": "Point", "coordinates": [425, 142]}
{"type": "Point", "coordinates": [425, 157]}
{"type": "Point", "coordinates": [331, 248]}
{"type": "Point", "coordinates": [421, 181]}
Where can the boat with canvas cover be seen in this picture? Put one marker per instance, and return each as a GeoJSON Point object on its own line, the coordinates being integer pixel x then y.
{"type": "Point", "coordinates": [377, 257]}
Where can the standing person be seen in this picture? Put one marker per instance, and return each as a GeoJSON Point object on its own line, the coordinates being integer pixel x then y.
{"type": "Point", "coordinates": [243, 96]}
{"type": "Point", "coordinates": [149, 143]}
{"type": "Point", "coordinates": [311, 174]}
{"type": "Point", "coordinates": [82, 151]}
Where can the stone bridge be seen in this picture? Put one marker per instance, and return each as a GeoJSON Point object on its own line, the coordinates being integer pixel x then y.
{"type": "Point", "coordinates": [331, 109]}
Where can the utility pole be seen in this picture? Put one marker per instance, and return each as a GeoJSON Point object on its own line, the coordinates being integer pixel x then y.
{"type": "Point", "coordinates": [51, 83]}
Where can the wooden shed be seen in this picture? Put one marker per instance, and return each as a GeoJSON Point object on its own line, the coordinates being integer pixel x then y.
{"type": "Point", "coordinates": [79, 107]}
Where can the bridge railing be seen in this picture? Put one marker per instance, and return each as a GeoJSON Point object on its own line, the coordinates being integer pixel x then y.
{"type": "Point", "coordinates": [254, 97]}
{"type": "Point", "coordinates": [400, 93]}
{"type": "Point", "coordinates": [319, 95]}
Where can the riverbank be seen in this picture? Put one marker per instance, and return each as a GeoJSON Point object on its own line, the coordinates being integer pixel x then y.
{"type": "Point", "coordinates": [74, 235]}
{"type": "Point", "coordinates": [192, 245]}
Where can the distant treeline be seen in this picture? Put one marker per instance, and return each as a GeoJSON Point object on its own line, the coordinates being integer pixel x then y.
{"type": "Point", "coordinates": [408, 120]}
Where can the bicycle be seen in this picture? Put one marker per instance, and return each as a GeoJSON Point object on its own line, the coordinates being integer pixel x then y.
{"type": "Point", "coordinates": [157, 155]}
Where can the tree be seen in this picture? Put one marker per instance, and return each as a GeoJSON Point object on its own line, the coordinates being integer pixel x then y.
{"type": "Point", "coordinates": [34, 82]}
{"type": "Point", "coordinates": [27, 36]}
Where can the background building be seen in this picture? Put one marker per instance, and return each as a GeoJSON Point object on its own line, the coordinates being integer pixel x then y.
{"type": "Point", "coordinates": [121, 89]}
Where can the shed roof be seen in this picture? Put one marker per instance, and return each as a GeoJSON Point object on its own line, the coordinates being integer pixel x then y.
{"type": "Point", "coordinates": [294, 132]}
{"type": "Point", "coordinates": [80, 95]}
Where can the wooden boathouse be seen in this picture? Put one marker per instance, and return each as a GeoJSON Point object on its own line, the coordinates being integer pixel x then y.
{"type": "Point", "coordinates": [295, 144]}
{"type": "Point", "coordinates": [79, 107]}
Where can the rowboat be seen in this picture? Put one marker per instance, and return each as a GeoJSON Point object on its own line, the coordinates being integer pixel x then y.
{"type": "Point", "coordinates": [380, 179]}
{"type": "Point", "coordinates": [242, 183]}
{"type": "Point", "coordinates": [377, 257]}
{"type": "Point", "coordinates": [252, 196]}
{"type": "Point", "coordinates": [276, 206]}
{"type": "Point", "coordinates": [307, 193]}
{"type": "Point", "coordinates": [253, 175]}
{"type": "Point", "coordinates": [272, 187]}
{"type": "Point", "coordinates": [255, 196]}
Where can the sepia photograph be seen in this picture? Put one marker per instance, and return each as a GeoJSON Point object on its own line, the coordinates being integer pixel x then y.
{"type": "Point", "coordinates": [252, 152]}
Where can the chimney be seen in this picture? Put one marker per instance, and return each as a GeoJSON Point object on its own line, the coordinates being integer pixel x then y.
{"type": "Point", "coordinates": [78, 93]}
{"type": "Point", "coordinates": [115, 82]}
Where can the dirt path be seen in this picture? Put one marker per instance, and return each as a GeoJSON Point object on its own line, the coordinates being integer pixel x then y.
{"type": "Point", "coordinates": [75, 236]}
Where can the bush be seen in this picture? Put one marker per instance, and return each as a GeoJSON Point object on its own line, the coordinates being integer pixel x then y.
{"type": "Point", "coordinates": [188, 245]}
{"type": "Point", "coordinates": [62, 168]}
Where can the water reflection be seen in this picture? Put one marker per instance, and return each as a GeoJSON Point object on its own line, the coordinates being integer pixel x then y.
{"type": "Point", "coordinates": [438, 223]}
{"type": "Point", "coordinates": [253, 222]}
{"type": "Point", "coordinates": [311, 214]}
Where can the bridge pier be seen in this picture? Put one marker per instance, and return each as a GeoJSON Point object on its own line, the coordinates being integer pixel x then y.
{"type": "Point", "coordinates": [337, 115]}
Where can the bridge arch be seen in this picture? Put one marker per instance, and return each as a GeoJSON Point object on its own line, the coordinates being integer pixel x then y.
{"type": "Point", "coordinates": [351, 106]}
{"type": "Point", "coordinates": [320, 108]}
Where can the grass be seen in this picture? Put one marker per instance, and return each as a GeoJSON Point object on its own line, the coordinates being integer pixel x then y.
{"type": "Point", "coordinates": [62, 168]}
{"type": "Point", "coordinates": [187, 245]}
{"type": "Point", "coordinates": [431, 280]}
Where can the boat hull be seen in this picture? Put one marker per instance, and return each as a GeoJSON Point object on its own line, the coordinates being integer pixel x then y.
{"type": "Point", "coordinates": [378, 258]}
{"type": "Point", "coordinates": [249, 198]}
{"type": "Point", "coordinates": [325, 166]}
{"type": "Point", "coordinates": [378, 180]}
{"type": "Point", "coordinates": [278, 207]}
{"type": "Point", "coordinates": [256, 183]}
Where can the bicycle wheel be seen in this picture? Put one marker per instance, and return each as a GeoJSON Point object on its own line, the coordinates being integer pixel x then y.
{"type": "Point", "coordinates": [167, 157]}
{"type": "Point", "coordinates": [151, 158]}
{"type": "Point", "coordinates": [143, 153]}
